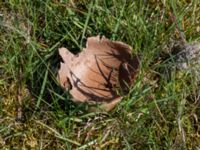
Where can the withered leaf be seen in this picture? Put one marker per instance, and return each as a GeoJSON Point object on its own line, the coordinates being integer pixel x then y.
{"type": "Point", "coordinates": [94, 74]}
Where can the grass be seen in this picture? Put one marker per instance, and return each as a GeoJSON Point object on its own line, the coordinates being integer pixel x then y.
{"type": "Point", "coordinates": [161, 110]}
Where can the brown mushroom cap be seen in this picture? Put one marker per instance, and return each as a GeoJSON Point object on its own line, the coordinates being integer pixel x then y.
{"type": "Point", "coordinates": [94, 74]}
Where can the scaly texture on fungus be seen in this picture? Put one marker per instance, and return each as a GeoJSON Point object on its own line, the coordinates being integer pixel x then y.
{"type": "Point", "coordinates": [95, 74]}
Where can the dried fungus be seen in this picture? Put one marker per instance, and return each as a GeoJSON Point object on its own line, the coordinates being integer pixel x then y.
{"type": "Point", "coordinates": [95, 74]}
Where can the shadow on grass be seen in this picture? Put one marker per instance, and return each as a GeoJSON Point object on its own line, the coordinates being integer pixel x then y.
{"type": "Point", "coordinates": [46, 93]}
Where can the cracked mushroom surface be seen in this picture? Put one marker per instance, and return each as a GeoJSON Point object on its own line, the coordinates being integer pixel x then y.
{"type": "Point", "coordinates": [95, 74]}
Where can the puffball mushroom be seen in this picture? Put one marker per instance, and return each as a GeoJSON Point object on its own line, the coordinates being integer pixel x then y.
{"type": "Point", "coordinates": [95, 74]}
